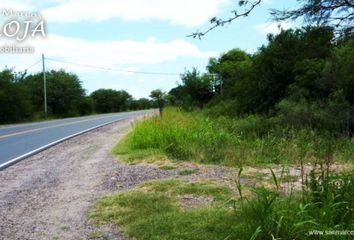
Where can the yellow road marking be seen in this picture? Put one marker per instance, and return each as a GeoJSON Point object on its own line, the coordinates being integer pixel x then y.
{"type": "Point", "coordinates": [43, 128]}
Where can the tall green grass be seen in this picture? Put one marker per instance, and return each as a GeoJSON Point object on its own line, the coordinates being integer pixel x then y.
{"type": "Point", "coordinates": [324, 209]}
{"type": "Point", "coordinates": [233, 142]}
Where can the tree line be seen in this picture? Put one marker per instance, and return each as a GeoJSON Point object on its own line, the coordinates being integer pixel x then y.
{"type": "Point", "coordinates": [304, 77]}
{"type": "Point", "coordinates": [21, 97]}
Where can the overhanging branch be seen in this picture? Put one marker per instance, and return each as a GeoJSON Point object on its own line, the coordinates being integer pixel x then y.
{"type": "Point", "coordinates": [218, 22]}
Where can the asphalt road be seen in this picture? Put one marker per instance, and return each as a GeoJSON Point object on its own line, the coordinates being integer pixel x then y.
{"type": "Point", "coordinates": [19, 140]}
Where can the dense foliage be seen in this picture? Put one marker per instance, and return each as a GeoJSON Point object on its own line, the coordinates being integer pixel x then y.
{"type": "Point", "coordinates": [302, 76]}
{"type": "Point", "coordinates": [64, 92]}
{"type": "Point", "coordinates": [109, 100]}
{"type": "Point", "coordinates": [14, 99]}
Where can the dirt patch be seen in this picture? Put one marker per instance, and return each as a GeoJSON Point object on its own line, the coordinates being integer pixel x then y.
{"type": "Point", "coordinates": [190, 201]}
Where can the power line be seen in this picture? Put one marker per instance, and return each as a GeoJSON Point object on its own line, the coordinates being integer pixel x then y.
{"type": "Point", "coordinates": [31, 66]}
{"type": "Point", "coordinates": [114, 69]}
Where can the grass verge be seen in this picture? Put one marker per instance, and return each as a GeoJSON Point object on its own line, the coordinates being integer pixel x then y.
{"type": "Point", "coordinates": [231, 142]}
{"type": "Point", "coordinates": [154, 210]}
{"type": "Point", "coordinates": [161, 209]}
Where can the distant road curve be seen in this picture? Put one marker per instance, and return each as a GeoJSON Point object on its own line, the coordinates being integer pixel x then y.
{"type": "Point", "coordinates": [22, 140]}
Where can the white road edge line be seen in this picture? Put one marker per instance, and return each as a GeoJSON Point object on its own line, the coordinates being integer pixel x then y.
{"type": "Point", "coordinates": [15, 160]}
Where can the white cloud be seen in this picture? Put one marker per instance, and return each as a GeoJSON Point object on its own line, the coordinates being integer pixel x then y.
{"type": "Point", "coordinates": [273, 27]}
{"type": "Point", "coordinates": [126, 55]}
{"type": "Point", "coordinates": [114, 54]}
{"type": "Point", "coordinates": [189, 13]}
{"type": "Point", "coordinates": [117, 52]}
{"type": "Point", "coordinates": [267, 2]}
{"type": "Point", "coordinates": [184, 12]}
{"type": "Point", "coordinates": [23, 5]}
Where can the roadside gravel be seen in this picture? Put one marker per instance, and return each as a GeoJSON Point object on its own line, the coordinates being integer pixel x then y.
{"type": "Point", "coordinates": [47, 196]}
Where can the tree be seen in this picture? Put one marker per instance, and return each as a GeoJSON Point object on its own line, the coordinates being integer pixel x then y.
{"type": "Point", "coordinates": [291, 64]}
{"type": "Point", "coordinates": [85, 107]}
{"type": "Point", "coordinates": [198, 87]}
{"type": "Point", "coordinates": [230, 68]}
{"type": "Point", "coordinates": [142, 103]}
{"type": "Point", "coordinates": [309, 81]}
{"type": "Point", "coordinates": [278, 65]}
{"type": "Point", "coordinates": [236, 89]}
{"type": "Point", "coordinates": [64, 92]}
{"type": "Point", "coordinates": [178, 95]}
{"type": "Point", "coordinates": [341, 69]}
{"type": "Point", "coordinates": [158, 96]}
{"type": "Point", "coordinates": [196, 90]}
{"type": "Point", "coordinates": [109, 100]}
{"type": "Point", "coordinates": [14, 98]}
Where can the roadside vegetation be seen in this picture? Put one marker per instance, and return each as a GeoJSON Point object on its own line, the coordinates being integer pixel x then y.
{"type": "Point", "coordinates": [290, 106]}
{"type": "Point", "coordinates": [176, 209]}
{"type": "Point", "coordinates": [228, 141]}
{"type": "Point", "coordinates": [155, 210]}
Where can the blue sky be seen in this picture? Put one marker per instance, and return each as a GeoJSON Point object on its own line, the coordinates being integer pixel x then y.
{"type": "Point", "coordinates": [136, 35]}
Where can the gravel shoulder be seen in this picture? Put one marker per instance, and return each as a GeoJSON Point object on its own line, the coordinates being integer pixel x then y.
{"type": "Point", "coordinates": [47, 196]}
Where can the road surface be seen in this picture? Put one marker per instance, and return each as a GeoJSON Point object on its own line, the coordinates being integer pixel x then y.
{"type": "Point", "coordinates": [17, 141]}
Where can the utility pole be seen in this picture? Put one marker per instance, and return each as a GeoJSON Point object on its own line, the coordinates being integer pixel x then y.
{"type": "Point", "coordinates": [44, 89]}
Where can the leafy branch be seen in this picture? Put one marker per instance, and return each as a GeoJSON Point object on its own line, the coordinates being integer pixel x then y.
{"type": "Point", "coordinates": [338, 14]}
{"type": "Point", "coordinates": [218, 22]}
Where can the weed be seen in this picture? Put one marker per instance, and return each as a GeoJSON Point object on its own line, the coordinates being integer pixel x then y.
{"type": "Point", "coordinates": [324, 204]}
{"type": "Point", "coordinates": [95, 235]}
{"type": "Point", "coordinates": [65, 228]}
{"type": "Point", "coordinates": [167, 167]}
{"type": "Point", "coordinates": [185, 172]}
